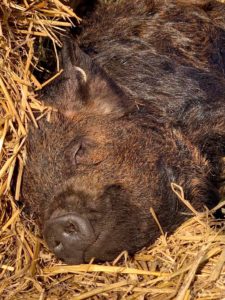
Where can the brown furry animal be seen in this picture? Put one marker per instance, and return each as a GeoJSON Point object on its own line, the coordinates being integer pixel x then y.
{"type": "Point", "coordinates": [141, 104]}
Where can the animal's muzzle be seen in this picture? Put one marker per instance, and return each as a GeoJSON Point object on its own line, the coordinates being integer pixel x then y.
{"type": "Point", "coordinates": [68, 236]}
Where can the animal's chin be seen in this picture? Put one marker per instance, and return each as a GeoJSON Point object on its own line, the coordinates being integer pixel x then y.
{"type": "Point", "coordinates": [99, 251]}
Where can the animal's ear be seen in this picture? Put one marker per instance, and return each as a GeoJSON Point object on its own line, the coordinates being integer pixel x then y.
{"type": "Point", "coordinates": [83, 86]}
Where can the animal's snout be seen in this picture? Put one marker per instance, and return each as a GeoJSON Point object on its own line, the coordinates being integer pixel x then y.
{"type": "Point", "coordinates": [68, 236]}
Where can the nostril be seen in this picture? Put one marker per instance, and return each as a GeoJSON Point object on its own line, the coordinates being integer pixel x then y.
{"type": "Point", "coordinates": [58, 247]}
{"type": "Point", "coordinates": [71, 228]}
{"type": "Point", "coordinates": [56, 243]}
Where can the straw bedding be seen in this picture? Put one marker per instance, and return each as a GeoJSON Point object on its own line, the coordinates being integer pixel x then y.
{"type": "Point", "coordinates": [186, 265]}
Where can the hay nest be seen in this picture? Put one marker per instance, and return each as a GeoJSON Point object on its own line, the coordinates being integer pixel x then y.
{"type": "Point", "coordinates": [187, 265]}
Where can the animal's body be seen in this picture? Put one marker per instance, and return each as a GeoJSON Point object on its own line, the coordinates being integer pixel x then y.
{"type": "Point", "coordinates": [141, 104]}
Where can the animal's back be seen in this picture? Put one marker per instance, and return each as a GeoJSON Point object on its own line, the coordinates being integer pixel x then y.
{"type": "Point", "coordinates": [171, 56]}
{"type": "Point", "coordinates": [191, 35]}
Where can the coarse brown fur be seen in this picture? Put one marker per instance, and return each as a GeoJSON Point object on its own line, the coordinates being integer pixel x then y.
{"type": "Point", "coordinates": [149, 110]}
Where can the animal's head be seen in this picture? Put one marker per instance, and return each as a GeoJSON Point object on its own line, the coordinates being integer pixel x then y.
{"type": "Point", "coordinates": [95, 170]}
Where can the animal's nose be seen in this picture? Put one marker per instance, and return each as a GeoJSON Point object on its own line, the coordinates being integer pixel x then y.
{"type": "Point", "coordinates": [68, 236]}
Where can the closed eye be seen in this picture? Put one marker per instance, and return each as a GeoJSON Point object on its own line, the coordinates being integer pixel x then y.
{"type": "Point", "coordinates": [84, 151]}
